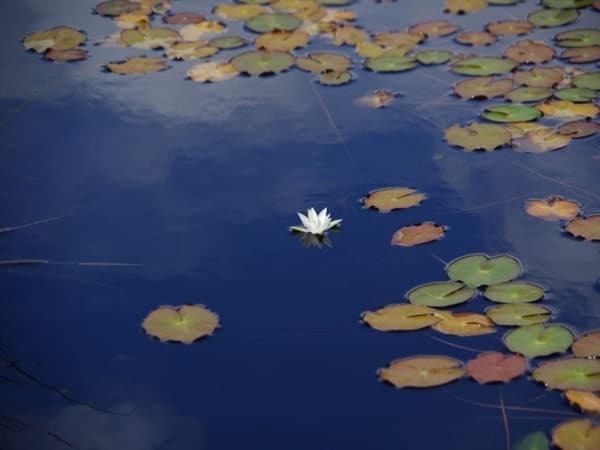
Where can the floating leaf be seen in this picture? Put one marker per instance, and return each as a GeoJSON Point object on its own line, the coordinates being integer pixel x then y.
{"type": "Point", "coordinates": [401, 317]}
{"type": "Point", "coordinates": [391, 63]}
{"type": "Point", "coordinates": [520, 129]}
{"type": "Point", "coordinates": [477, 136]}
{"type": "Point", "coordinates": [429, 57]}
{"type": "Point", "coordinates": [282, 40]}
{"type": "Point", "coordinates": [398, 39]}
{"type": "Point", "coordinates": [137, 65]}
{"type": "Point", "coordinates": [133, 21]}
{"type": "Point", "coordinates": [565, 108]}
{"type": "Point", "coordinates": [434, 28]}
{"type": "Point", "coordinates": [418, 234]}
{"type": "Point", "coordinates": [576, 95]}
{"type": "Point", "coordinates": [553, 208]}
{"type": "Point", "coordinates": [587, 402]}
{"type": "Point", "coordinates": [581, 55]}
{"type": "Point", "coordinates": [482, 88]}
{"type": "Point", "coordinates": [518, 314]}
{"type": "Point", "coordinates": [227, 42]}
{"type": "Point", "coordinates": [197, 31]}
{"type": "Point", "coordinates": [422, 371]}
{"type": "Point", "coordinates": [464, 6]}
{"type": "Point", "coordinates": [149, 38]}
{"type": "Point", "coordinates": [511, 113]}
{"type": "Point", "coordinates": [589, 80]}
{"type": "Point", "coordinates": [530, 52]}
{"type": "Point", "coordinates": [583, 37]}
{"type": "Point", "coordinates": [565, 4]}
{"type": "Point", "coordinates": [484, 65]}
{"type": "Point", "coordinates": [190, 50]}
{"type": "Point", "coordinates": [335, 2]}
{"type": "Point", "coordinates": [240, 12]}
{"type": "Point", "coordinates": [528, 94]}
{"type": "Point", "coordinates": [379, 99]}
{"type": "Point", "coordinates": [273, 22]}
{"type": "Point", "coordinates": [261, 62]}
{"type": "Point", "coordinates": [388, 199]}
{"type": "Point", "coordinates": [480, 270]}
{"type": "Point", "coordinates": [321, 62]}
{"type": "Point", "coordinates": [546, 18]}
{"type": "Point", "coordinates": [539, 76]}
{"type": "Point", "coordinates": [493, 367]}
{"type": "Point", "coordinates": [211, 71]}
{"type": "Point", "coordinates": [476, 38]}
{"type": "Point", "coordinates": [587, 346]}
{"type": "Point", "coordinates": [185, 323]}
{"type": "Point", "coordinates": [570, 373]}
{"type": "Point", "coordinates": [533, 441]}
{"type": "Point", "coordinates": [348, 35]}
{"type": "Point", "coordinates": [116, 7]}
{"type": "Point", "coordinates": [514, 292]}
{"type": "Point", "coordinates": [335, 78]}
{"type": "Point", "coordinates": [463, 324]}
{"type": "Point", "coordinates": [184, 18]}
{"type": "Point", "coordinates": [510, 27]}
{"type": "Point", "coordinates": [585, 227]}
{"type": "Point", "coordinates": [578, 434]}
{"type": "Point", "coordinates": [579, 128]}
{"type": "Point", "coordinates": [541, 140]}
{"type": "Point", "coordinates": [57, 38]}
{"type": "Point", "coordinates": [440, 294]}
{"type": "Point", "coordinates": [75, 54]}
{"type": "Point", "coordinates": [537, 340]}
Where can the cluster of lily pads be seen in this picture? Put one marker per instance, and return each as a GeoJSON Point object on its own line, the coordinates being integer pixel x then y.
{"type": "Point", "coordinates": [494, 279]}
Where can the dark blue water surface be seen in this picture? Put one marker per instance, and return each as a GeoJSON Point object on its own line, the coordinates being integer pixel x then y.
{"type": "Point", "coordinates": [196, 185]}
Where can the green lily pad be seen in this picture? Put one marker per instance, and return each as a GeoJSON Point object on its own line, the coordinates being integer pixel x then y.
{"type": "Point", "coordinates": [335, 2]}
{"type": "Point", "coordinates": [335, 78]}
{"type": "Point", "coordinates": [263, 23]}
{"type": "Point", "coordinates": [478, 136]}
{"type": "Point", "coordinates": [185, 323]}
{"type": "Point", "coordinates": [566, 4]}
{"type": "Point", "coordinates": [116, 7]}
{"type": "Point", "coordinates": [577, 434]}
{"type": "Point", "coordinates": [536, 340]}
{"type": "Point", "coordinates": [430, 57]}
{"type": "Point", "coordinates": [422, 371]}
{"type": "Point", "coordinates": [401, 317]}
{"type": "Point", "coordinates": [440, 294]}
{"type": "Point", "coordinates": [511, 113]}
{"type": "Point", "coordinates": [482, 88]}
{"type": "Point", "coordinates": [321, 62]}
{"type": "Point", "coordinates": [528, 94]}
{"type": "Point", "coordinates": [57, 38]}
{"type": "Point", "coordinates": [484, 66]}
{"type": "Point", "coordinates": [391, 63]}
{"type": "Point", "coordinates": [576, 95]}
{"type": "Point", "coordinates": [260, 62]}
{"type": "Point", "coordinates": [514, 292]}
{"type": "Point", "coordinates": [227, 42]}
{"type": "Point", "coordinates": [149, 38]}
{"type": "Point", "coordinates": [587, 346]}
{"type": "Point", "coordinates": [570, 373]}
{"type": "Point", "coordinates": [589, 80]}
{"type": "Point", "coordinates": [480, 270]}
{"type": "Point", "coordinates": [518, 314]}
{"type": "Point", "coordinates": [583, 37]}
{"type": "Point", "coordinates": [546, 18]}
{"type": "Point", "coordinates": [533, 441]}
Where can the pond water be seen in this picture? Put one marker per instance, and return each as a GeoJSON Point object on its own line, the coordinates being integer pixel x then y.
{"type": "Point", "coordinates": [164, 191]}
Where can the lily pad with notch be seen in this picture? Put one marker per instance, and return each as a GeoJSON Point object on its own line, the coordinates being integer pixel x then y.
{"type": "Point", "coordinates": [482, 88]}
{"type": "Point", "coordinates": [57, 38]}
{"type": "Point", "coordinates": [587, 346]}
{"type": "Point", "coordinates": [440, 294]}
{"type": "Point", "coordinates": [539, 76]}
{"type": "Point", "coordinates": [511, 113]}
{"type": "Point", "coordinates": [263, 23]}
{"type": "Point", "coordinates": [150, 38]}
{"type": "Point", "coordinates": [401, 317]}
{"type": "Point", "coordinates": [587, 402]}
{"type": "Point", "coordinates": [480, 270]}
{"type": "Point", "coordinates": [553, 208]}
{"type": "Point", "coordinates": [431, 57]}
{"type": "Point", "coordinates": [537, 340]}
{"type": "Point", "coordinates": [570, 373]}
{"type": "Point", "coordinates": [320, 62]}
{"type": "Point", "coordinates": [137, 65]}
{"type": "Point", "coordinates": [422, 233]}
{"type": "Point", "coordinates": [583, 37]}
{"type": "Point", "coordinates": [463, 324]}
{"type": "Point", "coordinates": [495, 367]}
{"type": "Point", "coordinates": [228, 42]}
{"type": "Point", "coordinates": [477, 136]}
{"type": "Point", "coordinates": [527, 94]}
{"type": "Point", "coordinates": [530, 52]}
{"type": "Point", "coordinates": [422, 371]}
{"type": "Point", "coordinates": [514, 292]}
{"type": "Point", "coordinates": [113, 8]}
{"type": "Point", "coordinates": [589, 80]}
{"type": "Point", "coordinates": [579, 128]}
{"type": "Point", "coordinates": [587, 228]}
{"type": "Point", "coordinates": [434, 28]}
{"type": "Point", "coordinates": [476, 38]}
{"type": "Point", "coordinates": [582, 55]}
{"type": "Point", "coordinates": [484, 66]}
{"type": "Point", "coordinates": [510, 27]}
{"type": "Point", "coordinates": [335, 78]}
{"type": "Point", "coordinates": [282, 40]}
{"type": "Point", "coordinates": [577, 434]}
{"type": "Point", "coordinates": [261, 62]}
{"type": "Point", "coordinates": [391, 63]}
{"type": "Point", "coordinates": [576, 94]}
{"type": "Point", "coordinates": [518, 314]}
{"type": "Point", "coordinates": [546, 18]}
{"type": "Point", "coordinates": [186, 323]}
{"type": "Point", "coordinates": [389, 199]}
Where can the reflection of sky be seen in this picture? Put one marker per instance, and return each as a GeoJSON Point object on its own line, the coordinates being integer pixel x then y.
{"type": "Point", "coordinates": [199, 183]}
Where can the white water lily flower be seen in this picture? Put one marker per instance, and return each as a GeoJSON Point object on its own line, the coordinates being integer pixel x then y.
{"type": "Point", "coordinates": [316, 223]}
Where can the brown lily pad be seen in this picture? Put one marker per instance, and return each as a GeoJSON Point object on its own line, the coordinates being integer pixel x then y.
{"type": "Point", "coordinates": [137, 65]}
{"type": "Point", "coordinates": [321, 62]}
{"type": "Point", "coordinates": [184, 18]}
{"type": "Point", "coordinates": [418, 234]}
{"type": "Point", "coordinates": [579, 128]}
{"type": "Point", "coordinates": [580, 55]}
{"type": "Point", "coordinates": [587, 228]}
{"type": "Point", "coordinates": [541, 140]}
{"type": "Point", "coordinates": [464, 6]}
{"type": "Point", "coordinates": [422, 371]}
{"type": "Point", "coordinates": [587, 346]}
{"type": "Point", "coordinates": [388, 199]}
{"type": "Point", "coordinates": [578, 434]}
{"type": "Point", "coordinates": [57, 38]}
{"type": "Point", "coordinates": [530, 52]}
{"type": "Point", "coordinates": [553, 208]}
{"type": "Point", "coordinates": [482, 88]}
{"type": "Point", "coordinates": [565, 108]}
{"type": "Point", "coordinates": [464, 324]}
{"type": "Point", "coordinates": [540, 76]}
{"type": "Point", "coordinates": [510, 27]}
{"type": "Point", "coordinates": [475, 38]}
{"type": "Point", "coordinates": [434, 28]}
{"type": "Point", "coordinates": [114, 8]}
{"type": "Point", "coordinates": [401, 317]}
{"type": "Point", "coordinates": [75, 54]}
{"type": "Point", "coordinates": [212, 71]}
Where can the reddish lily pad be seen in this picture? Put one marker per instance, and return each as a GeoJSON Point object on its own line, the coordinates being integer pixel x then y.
{"type": "Point", "coordinates": [581, 55]}
{"type": "Point", "coordinates": [518, 314]}
{"type": "Point", "coordinates": [418, 234]}
{"type": "Point", "coordinates": [483, 66]}
{"type": "Point", "coordinates": [578, 434]}
{"type": "Point", "coordinates": [477, 136]}
{"type": "Point", "coordinates": [537, 340]}
{"type": "Point", "coordinates": [480, 270]}
{"type": "Point", "coordinates": [510, 27]}
{"type": "Point", "coordinates": [388, 199]}
{"type": "Point", "coordinates": [530, 52]}
{"type": "Point", "coordinates": [528, 94]}
{"type": "Point", "coordinates": [137, 65]}
{"type": "Point", "coordinates": [476, 38]}
{"type": "Point", "coordinates": [579, 128]}
{"type": "Point", "coordinates": [482, 88]}
{"type": "Point", "coordinates": [546, 18]}
{"type": "Point", "coordinates": [321, 62]}
{"type": "Point", "coordinates": [511, 113]}
{"type": "Point", "coordinates": [570, 373]}
{"type": "Point", "coordinates": [464, 324]}
{"type": "Point", "coordinates": [585, 227]}
{"type": "Point", "coordinates": [440, 294]}
{"type": "Point", "coordinates": [539, 76]}
{"type": "Point", "coordinates": [434, 28]}
{"type": "Point", "coordinates": [422, 371]}
{"type": "Point", "coordinates": [514, 292]}
{"type": "Point", "coordinates": [261, 62]}
{"type": "Point", "coordinates": [75, 54]}
{"type": "Point", "coordinates": [587, 346]}
{"type": "Point", "coordinates": [494, 367]}
{"type": "Point", "coordinates": [185, 323]}
{"type": "Point", "coordinates": [57, 38]}
{"type": "Point", "coordinates": [401, 317]}
{"type": "Point", "coordinates": [553, 208]}
{"type": "Point", "coordinates": [583, 37]}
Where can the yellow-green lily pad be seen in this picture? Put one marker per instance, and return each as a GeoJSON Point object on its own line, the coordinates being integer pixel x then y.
{"type": "Point", "coordinates": [321, 62]}
{"type": "Point", "coordinates": [537, 340]}
{"type": "Point", "coordinates": [570, 373]}
{"type": "Point", "coordinates": [478, 136]}
{"type": "Point", "coordinates": [263, 23]}
{"type": "Point", "coordinates": [546, 18]}
{"type": "Point", "coordinates": [440, 294]}
{"type": "Point", "coordinates": [261, 62]}
{"type": "Point", "coordinates": [583, 37]}
{"type": "Point", "coordinates": [391, 63]}
{"type": "Point", "coordinates": [484, 66]}
{"type": "Point", "coordinates": [514, 292]}
{"type": "Point", "coordinates": [57, 38]}
{"type": "Point", "coordinates": [518, 314]}
{"type": "Point", "coordinates": [481, 270]}
{"type": "Point", "coordinates": [401, 317]}
{"type": "Point", "coordinates": [185, 323]}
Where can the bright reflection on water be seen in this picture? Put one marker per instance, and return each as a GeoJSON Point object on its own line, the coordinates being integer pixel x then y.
{"type": "Point", "coordinates": [195, 185]}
